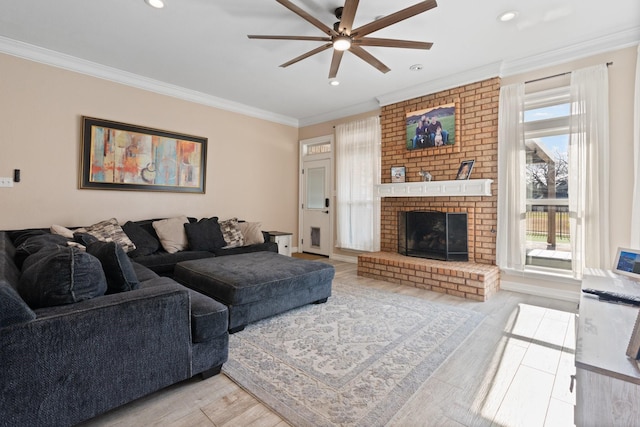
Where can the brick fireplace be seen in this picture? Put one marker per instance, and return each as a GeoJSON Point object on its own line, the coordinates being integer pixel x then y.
{"type": "Point", "coordinates": [476, 139]}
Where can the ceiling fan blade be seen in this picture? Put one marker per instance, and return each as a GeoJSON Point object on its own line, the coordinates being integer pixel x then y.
{"type": "Point", "coordinates": [407, 44]}
{"type": "Point", "coordinates": [348, 14]}
{"type": "Point", "coordinates": [313, 39]}
{"type": "Point", "coordinates": [370, 59]}
{"type": "Point", "coordinates": [335, 63]}
{"type": "Point", "coordinates": [307, 17]}
{"type": "Point", "coordinates": [393, 18]}
{"type": "Point", "coordinates": [306, 55]}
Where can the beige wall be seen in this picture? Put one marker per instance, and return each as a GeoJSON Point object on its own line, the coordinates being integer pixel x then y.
{"type": "Point", "coordinates": [251, 163]}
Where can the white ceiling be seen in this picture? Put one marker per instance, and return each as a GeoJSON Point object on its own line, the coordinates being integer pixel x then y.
{"type": "Point", "coordinates": [198, 49]}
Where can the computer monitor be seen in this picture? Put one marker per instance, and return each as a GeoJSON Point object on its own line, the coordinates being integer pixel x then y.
{"type": "Point", "coordinates": [627, 262]}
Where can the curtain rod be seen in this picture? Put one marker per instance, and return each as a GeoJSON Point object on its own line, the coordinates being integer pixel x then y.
{"type": "Point", "coordinates": [556, 75]}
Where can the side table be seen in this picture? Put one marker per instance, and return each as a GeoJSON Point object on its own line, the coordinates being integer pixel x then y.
{"type": "Point", "coordinates": [283, 240]}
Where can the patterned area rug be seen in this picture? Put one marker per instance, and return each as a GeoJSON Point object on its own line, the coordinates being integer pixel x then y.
{"type": "Point", "coordinates": [353, 361]}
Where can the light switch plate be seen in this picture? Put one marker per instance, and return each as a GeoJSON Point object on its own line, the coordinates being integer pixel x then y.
{"type": "Point", "coordinates": [6, 181]}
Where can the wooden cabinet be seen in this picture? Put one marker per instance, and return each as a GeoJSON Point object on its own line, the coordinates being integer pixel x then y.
{"type": "Point", "coordinates": [607, 381]}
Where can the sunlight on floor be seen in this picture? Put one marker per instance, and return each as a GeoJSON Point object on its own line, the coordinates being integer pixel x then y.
{"type": "Point", "coordinates": [530, 374]}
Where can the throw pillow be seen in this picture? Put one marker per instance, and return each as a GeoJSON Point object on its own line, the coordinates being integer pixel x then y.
{"type": "Point", "coordinates": [231, 232]}
{"type": "Point", "coordinates": [145, 243]}
{"type": "Point", "coordinates": [117, 267]}
{"type": "Point", "coordinates": [61, 231]}
{"type": "Point", "coordinates": [251, 233]}
{"type": "Point", "coordinates": [171, 232]}
{"type": "Point", "coordinates": [110, 231]}
{"type": "Point", "coordinates": [35, 243]}
{"type": "Point", "coordinates": [60, 275]}
{"type": "Point", "coordinates": [205, 235]}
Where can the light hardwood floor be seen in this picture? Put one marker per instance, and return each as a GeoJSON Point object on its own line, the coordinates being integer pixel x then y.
{"type": "Point", "coordinates": [514, 370]}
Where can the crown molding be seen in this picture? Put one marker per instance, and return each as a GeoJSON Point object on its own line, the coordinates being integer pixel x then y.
{"type": "Point", "coordinates": [363, 107]}
{"type": "Point", "coordinates": [455, 80]}
{"type": "Point", "coordinates": [93, 69]}
{"type": "Point", "coordinates": [607, 43]}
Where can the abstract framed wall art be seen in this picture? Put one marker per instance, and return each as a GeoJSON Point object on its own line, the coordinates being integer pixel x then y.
{"type": "Point", "coordinates": [432, 127]}
{"type": "Point", "coordinates": [119, 156]}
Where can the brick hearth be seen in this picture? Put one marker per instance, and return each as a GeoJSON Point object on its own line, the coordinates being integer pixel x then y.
{"type": "Point", "coordinates": [462, 279]}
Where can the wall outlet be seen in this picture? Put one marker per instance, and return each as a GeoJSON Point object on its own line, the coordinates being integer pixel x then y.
{"type": "Point", "coordinates": [6, 181]}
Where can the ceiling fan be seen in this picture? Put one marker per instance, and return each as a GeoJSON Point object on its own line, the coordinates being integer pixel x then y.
{"type": "Point", "coordinates": [344, 38]}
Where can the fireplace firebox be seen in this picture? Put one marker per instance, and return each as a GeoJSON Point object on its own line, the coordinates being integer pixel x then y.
{"type": "Point", "coordinates": [433, 234]}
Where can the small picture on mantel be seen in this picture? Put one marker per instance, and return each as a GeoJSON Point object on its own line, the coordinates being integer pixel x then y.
{"type": "Point", "coordinates": [465, 169]}
{"type": "Point", "coordinates": [398, 173]}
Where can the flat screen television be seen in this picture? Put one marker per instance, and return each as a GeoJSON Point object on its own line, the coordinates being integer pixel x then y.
{"type": "Point", "coordinates": [627, 263]}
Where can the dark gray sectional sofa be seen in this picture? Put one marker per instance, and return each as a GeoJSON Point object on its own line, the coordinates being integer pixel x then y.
{"type": "Point", "coordinates": [85, 330]}
{"type": "Point", "coordinates": [85, 353]}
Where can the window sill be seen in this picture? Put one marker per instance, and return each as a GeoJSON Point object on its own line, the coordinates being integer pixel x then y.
{"type": "Point", "coordinates": [541, 283]}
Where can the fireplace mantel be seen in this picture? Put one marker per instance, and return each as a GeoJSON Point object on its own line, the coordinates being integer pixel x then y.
{"type": "Point", "coordinates": [468, 187]}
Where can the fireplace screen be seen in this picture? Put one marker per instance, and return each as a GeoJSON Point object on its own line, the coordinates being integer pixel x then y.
{"type": "Point", "coordinates": [435, 235]}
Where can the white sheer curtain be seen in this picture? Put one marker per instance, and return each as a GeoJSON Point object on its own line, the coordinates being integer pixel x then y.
{"type": "Point", "coordinates": [510, 251]}
{"type": "Point", "coordinates": [635, 211]}
{"type": "Point", "coordinates": [357, 172]}
{"type": "Point", "coordinates": [589, 169]}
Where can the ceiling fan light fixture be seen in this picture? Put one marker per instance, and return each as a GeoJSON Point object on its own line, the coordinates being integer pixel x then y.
{"type": "Point", "coordinates": [158, 4]}
{"type": "Point", "coordinates": [334, 82]}
{"type": "Point", "coordinates": [508, 16]}
{"type": "Point", "coordinates": [342, 42]}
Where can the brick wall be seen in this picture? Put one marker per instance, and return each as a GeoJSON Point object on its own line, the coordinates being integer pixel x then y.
{"type": "Point", "coordinates": [476, 139]}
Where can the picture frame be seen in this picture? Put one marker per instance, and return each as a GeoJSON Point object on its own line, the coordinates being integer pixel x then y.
{"type": "Point", "coordinates": [398, 174]}
{"type": "Point", "coordinates": [464, 171]}
{"type": "Point", "coordinates": [433, 128]}
{"type": "Point", "coordinates": [120, 156]}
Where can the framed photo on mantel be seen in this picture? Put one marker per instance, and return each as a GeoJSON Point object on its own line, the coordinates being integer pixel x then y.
{"type": "Point", "coordinates": [398, 174]}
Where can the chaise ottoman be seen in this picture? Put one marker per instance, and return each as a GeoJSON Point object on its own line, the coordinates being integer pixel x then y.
{"type": "Point", "coordinates": [257, 285]}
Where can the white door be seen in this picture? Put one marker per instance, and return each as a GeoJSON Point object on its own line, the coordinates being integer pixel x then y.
{"type": "Point", "coordinates": [316, 207]}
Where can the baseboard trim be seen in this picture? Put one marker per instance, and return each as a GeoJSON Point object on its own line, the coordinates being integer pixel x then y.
{"type": "Point", "coordinates": [542, 291]}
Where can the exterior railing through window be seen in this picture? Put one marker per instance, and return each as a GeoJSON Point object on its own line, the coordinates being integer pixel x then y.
{"type": "Point", "coordinates": [548, 221]}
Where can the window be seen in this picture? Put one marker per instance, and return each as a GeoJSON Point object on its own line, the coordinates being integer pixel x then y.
{"type": "Point", "coordinates": [553, 156]}
{"type": "Point", "coordinates": [546, 139]}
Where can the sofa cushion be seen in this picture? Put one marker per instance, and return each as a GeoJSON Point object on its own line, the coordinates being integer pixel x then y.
{"type": "Point", "coordinates": [163, 263]}
{"type": "Point", "coordinates": [204, 235]}
{"type": "Point", "coordinates": [209, 318]}
{"type": "Point", "coordinates": [146, 244]}
{"type": "Point", "coordinates": [13, 309]}
{"type": "Point", "coordinates": [60, 275]}
{"type": "Point", "coordinates": [251, 233]}
{"type": "Point", "coordinates": [35, 243]}
{"type": "Point", "coordinates": [171, 233]}
{"type": "Point", "coordinates": [231, 232]}
{"type": "Point", "coordinates": [109, 231]}
{"type": "Point", "coordinates": [121, 276]}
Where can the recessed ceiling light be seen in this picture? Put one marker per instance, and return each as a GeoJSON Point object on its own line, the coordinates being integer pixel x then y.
{"type": "Point", "coordinates": [416, 67]}
{"type": "Point", "coordinates": [507, 16]}
{"type": "Point", "coordinates": [334, 82]}
{"type": "Point", "coordinates": [158, 4]}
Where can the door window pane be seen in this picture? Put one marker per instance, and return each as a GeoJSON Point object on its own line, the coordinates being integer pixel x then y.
{"type": "Point", "coordinates": [315, 188]}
